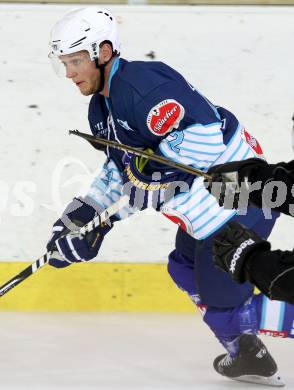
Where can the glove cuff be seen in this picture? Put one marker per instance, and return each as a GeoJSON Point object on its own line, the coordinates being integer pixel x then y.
{"type": "Point", "coordinates": [153, 182]}
{"type": "Point", "coordinates": [263, 246]}
{"type": "Point", "coordinates": [248, 254]}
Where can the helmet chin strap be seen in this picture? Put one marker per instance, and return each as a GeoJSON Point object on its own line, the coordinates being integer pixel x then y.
{"type": "Point", "coordinates": [102, 73]}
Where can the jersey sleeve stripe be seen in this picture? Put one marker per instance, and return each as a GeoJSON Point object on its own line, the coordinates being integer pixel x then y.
{"type": "Point", "coordinates": [198, 206]}
{"type": "Point", "coordinates": [118, 193]}
{"type": "Point", "coordinates": [223, 221]}
{"type": "Point", "coordinates": [189, 197]}
{"type": "Point", "coordinates": [246, 155]}
{"type": "Point", "coordinates": [188, 160]}
{"type": "Point", "coordinates": [188, 141]}
{"type": "Point", "coordinates": [201, 134]}
{"type": "Point", "coordinates": [197, 152]}
{"type": "Point", "coordinates": [204, 212]}
{"type": "Point", "coordinates": [231, 158]}
{"type": "Point", "coordinates": [209, 220]}
{"type": "Point", "coordinates": [115, 180]}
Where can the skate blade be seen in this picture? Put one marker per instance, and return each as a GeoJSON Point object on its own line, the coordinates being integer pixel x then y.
{"type": "Point", "coordinates": [274, 380]}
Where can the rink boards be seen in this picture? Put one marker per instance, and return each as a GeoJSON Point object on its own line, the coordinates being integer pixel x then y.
{"type": "Point", "coordinates": [94, 287]}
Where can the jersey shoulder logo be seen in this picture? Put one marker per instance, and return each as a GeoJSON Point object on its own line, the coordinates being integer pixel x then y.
{"type": "Point", "coordinates": [125, 125]}
{"type": "Point", "coordinates": [101, 130]}
{"type": "Point", "coordinates": [252, 142]}
{"type": "Point", "coordinates": [165, 116]}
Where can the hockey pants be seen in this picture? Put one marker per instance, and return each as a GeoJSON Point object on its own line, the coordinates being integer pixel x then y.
{"type": "Point", "coordinates": [228, 308]}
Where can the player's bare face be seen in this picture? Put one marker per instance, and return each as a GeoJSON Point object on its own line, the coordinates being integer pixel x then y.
{"type": "Point", "coordinates": [82, 71]}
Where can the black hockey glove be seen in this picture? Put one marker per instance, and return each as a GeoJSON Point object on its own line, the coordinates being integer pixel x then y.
{"type": "Point", "coordinates": [233, 246]}
{"type": "Point", "coordinates": [76, 247]}
{"type": "Point", "coordinates": [230, 178]}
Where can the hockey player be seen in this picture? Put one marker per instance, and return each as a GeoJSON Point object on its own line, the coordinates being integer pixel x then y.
{"type": "Point", "coordinates": [271, 271]}
{"type": "Point", "coordinates": [150, 105]}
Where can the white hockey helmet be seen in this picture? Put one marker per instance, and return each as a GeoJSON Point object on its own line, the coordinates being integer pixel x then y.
{"type": "Point", "coordinates": [83, 29]}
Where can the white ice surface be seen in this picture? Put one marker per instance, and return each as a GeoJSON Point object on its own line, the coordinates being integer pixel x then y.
{"type": "Point", "coordinates": [239, 57]}
{"type": "Point", "coordinates": [116, 351]}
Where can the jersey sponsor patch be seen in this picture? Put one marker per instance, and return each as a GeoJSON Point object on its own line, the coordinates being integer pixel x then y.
{"type": "Point", "coordinates": [253, 143]}
{"type": "Point", "coordinates": [165, 116]}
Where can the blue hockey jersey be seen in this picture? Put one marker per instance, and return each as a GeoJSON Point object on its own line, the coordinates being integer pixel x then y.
{"type": "Point", "coordinates": [150, 105]}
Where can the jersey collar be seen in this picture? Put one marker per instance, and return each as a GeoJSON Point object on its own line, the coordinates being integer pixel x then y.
{"type": "Point", "coordinates": [114, 68]}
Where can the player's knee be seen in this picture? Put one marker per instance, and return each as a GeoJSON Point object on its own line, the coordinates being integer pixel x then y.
{"type": "Point", "coordinates": [181, 270]}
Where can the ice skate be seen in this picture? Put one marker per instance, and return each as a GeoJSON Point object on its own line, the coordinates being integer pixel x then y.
{"type": "Point", "coordinates": [253, 363]}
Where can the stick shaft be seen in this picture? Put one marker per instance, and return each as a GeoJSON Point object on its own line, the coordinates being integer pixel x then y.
{"type": "Point", "coordinates": [34, 267]}
{"type": "Point", "coordinates": [141, 153]}
{"type": "Point", "coordinates": [31, 269]}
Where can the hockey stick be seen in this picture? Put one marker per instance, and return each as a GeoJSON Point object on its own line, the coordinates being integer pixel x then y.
{"type": "Point", "coordinates": [31, 269]}
{"type": "Point", "coordinates": [138, 152]}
